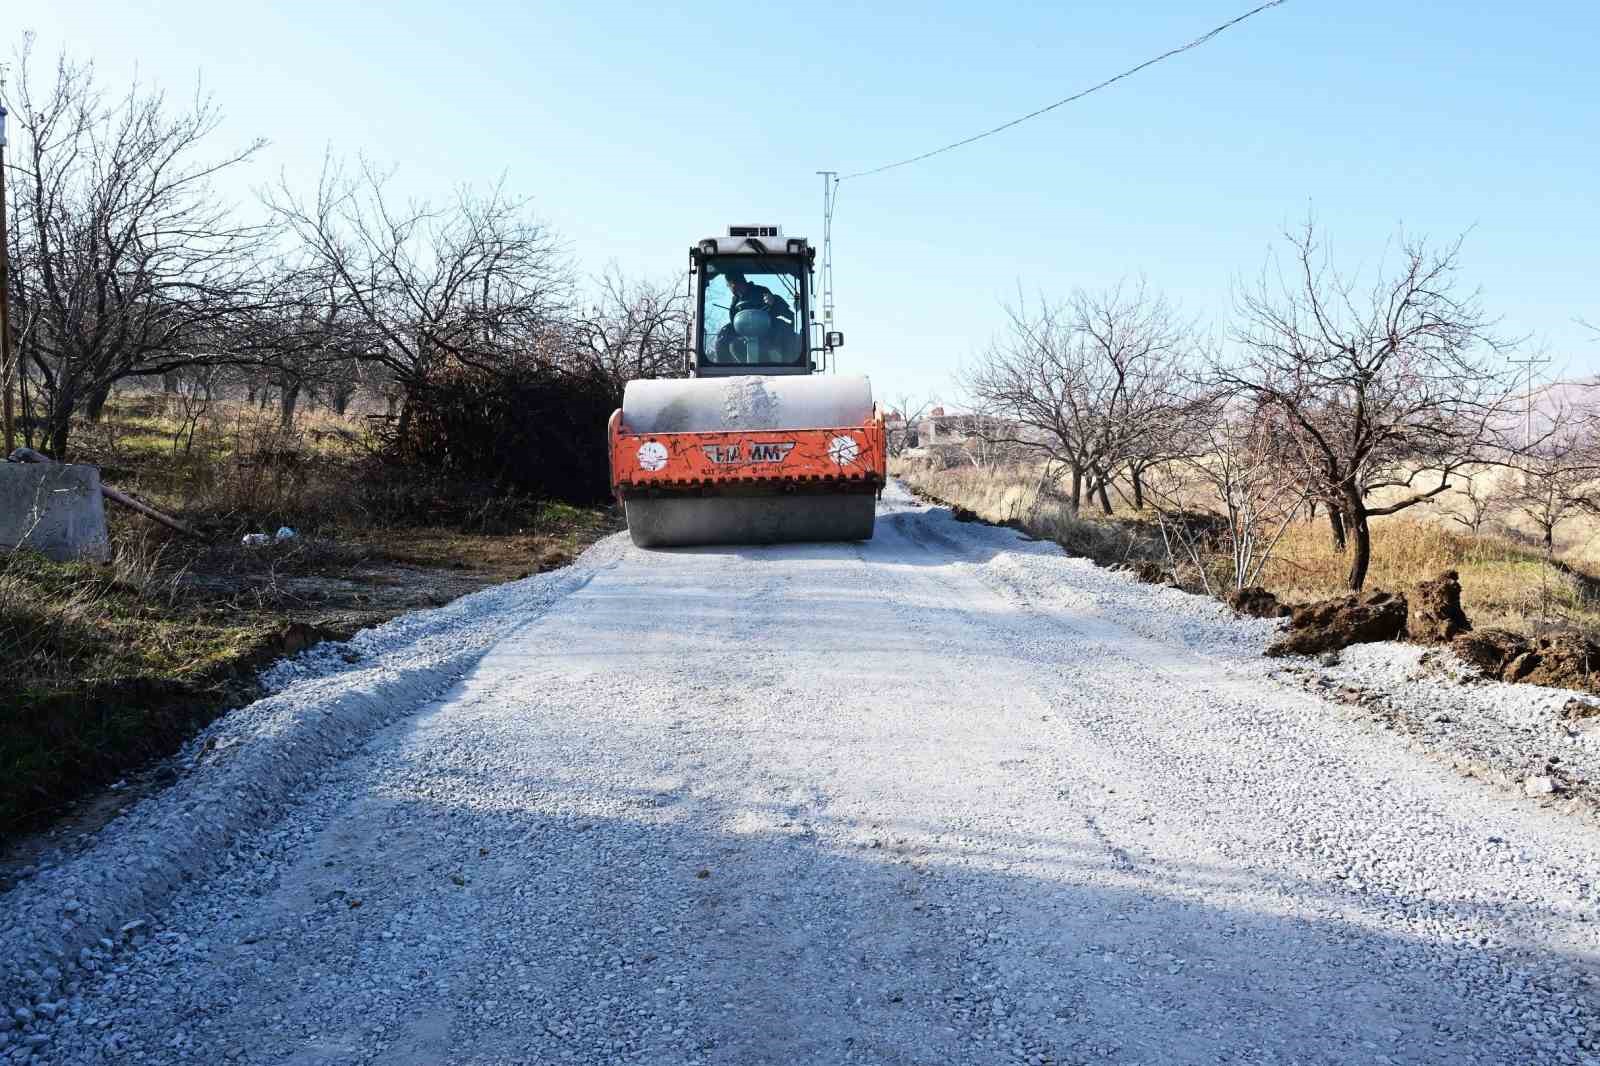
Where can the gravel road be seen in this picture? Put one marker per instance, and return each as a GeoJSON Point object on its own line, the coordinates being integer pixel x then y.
{"type": "Point", "coordinates": [944, 797]}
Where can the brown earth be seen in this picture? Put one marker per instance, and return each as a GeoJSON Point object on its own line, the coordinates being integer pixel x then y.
{"type": "Point", "coordinates": [1361, 618]}
{"type": "Point", "coordinates": [1559, 660]}
{"type": "Point", "coordinates": [1436, 615]}
{"type": "Point", "coordinates": [1257, 602]}
{"type": "Point", "coordinates": [1148, 572]}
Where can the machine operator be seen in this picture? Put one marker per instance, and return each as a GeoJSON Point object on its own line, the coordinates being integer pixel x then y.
{"type": "Point", "coordinates": [769, 324]}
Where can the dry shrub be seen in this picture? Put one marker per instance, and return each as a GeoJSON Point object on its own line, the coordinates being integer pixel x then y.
{"type": "Point", "coordinates": [461, 468]}
{"type": "Point", "coordinates": [537, 431]}
{"type": "Point", "coordinates": [274, 475]}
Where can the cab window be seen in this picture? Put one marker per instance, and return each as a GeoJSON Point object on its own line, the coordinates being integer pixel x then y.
{"type": "Point", "coordinates": [751, 312]}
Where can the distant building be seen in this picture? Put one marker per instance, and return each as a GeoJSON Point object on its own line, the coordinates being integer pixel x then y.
{"type": "Point", "coordinates": [941, 428]}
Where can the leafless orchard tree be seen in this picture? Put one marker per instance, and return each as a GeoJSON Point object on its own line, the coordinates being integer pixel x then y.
{"type": "Point", "coordinates": [634, 329]}
{"type": "Point", "coordinates": [911, 411]}
{"type": "Point", "coordinates": [1092, 384]}
{"type": "Point", "coordinates": [341, 379]}
{"type": "Point", "coordinates": [422, 288]}
{"type": "Point", "coordinates": [196, 388]}
{"type": "Point", "coordinates": [1176, 423]}
{"type": "Point", "coordinates": [988, 446]}
{"type": "Point", "coordinates": [1478, 499]}
{"type": "Point", "coordinates": [126, 262]}
{"type": "Point", "coordinates": [1236, 471]}
{"type": "Point", "coordinates": [1555, 478]}
{"type": "Point", "coordinates": [1385, 392]}
{"type": "Point", "coordinates": [317, 344]}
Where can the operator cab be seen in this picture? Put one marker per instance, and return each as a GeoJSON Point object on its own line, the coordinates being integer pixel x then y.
{"type": "Point", "coordinates": [752, 304]}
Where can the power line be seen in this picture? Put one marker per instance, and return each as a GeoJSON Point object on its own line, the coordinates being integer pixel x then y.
{"type": "Point", "coordinates": [1197, 42]}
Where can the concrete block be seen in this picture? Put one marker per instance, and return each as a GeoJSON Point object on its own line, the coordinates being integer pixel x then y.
{"type": "Point", "coordinates": [55, 509]}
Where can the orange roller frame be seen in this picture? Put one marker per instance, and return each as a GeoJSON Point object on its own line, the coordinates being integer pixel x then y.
{"type": "Point", "coordinates": [848, 458]}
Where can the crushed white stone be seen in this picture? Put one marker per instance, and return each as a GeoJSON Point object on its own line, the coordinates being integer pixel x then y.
{"type": "Point", "coordinates": [947, 796]}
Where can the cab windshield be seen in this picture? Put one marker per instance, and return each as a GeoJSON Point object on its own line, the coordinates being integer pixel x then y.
{"type": "Point", "coordinates": [751, 313]}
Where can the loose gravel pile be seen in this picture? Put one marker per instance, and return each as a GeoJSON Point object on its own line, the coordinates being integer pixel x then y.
{"type": "Point", "coordinates": [945, 797]}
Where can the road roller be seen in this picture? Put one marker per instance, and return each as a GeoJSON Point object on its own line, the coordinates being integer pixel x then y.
{"type": "Point", "coordinates": [759, 444]}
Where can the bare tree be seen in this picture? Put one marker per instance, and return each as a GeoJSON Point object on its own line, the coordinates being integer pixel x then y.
{"type": "Point", "coordinates": [1477, 500]}
{"type": "Point", "coordinates": [1385, 393]}
{"type": "Point", "coordinates": [1091, 384]}
{"type": "Point", "coordinates": [477, 283]}
{"type": "Point", "coordinates": [316, 344]}
{"type": "Point", "coordinates": [126, 262]}
{"type": "Point", "coordinates": [341, 381]}
{"type": "Point", "coordinates": [1236, 473]}
{"type": "Point", "coordinates": [903, 435]}
{"type": "Point", "coordinates": [635, 329]}
{"type": "Point", "coordinates": [1555, 477]}
{"type": "Point", "coordinates": [1157, 414]}
{"type": "Point", "coordinates": [986, 445]}
{"type": "Point", "coordinates": [196, 389]}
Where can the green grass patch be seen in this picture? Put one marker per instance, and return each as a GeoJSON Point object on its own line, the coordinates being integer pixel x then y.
{"type": "Point", "coordinates": [109, 667]}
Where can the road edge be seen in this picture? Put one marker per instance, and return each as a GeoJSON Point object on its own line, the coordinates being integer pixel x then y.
{"type": "Point", "coordinates": [247, 768]}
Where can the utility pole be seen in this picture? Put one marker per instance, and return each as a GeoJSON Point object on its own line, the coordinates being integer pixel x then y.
{"type": "Point", "coordinates": [830, 191]}
{"type": "Point", "coordinates": [8, 370]}
{"type": "Point", "coordinates": [1527, 415]}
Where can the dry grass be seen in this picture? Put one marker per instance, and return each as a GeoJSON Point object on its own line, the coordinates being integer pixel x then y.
{"type": "Point", "coordinates": [1016, 497]}
{"type": "Point", "coordinates": [1505, 581]}
{"type": "Point", "coordinates": [240, 467]}
{"type": "Point", "coordinates": [1577, 539]}
{"type": "Point", "coordinates": [107, 667]}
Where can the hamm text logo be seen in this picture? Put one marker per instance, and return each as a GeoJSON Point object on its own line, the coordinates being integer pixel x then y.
{"type": "Point", "coordinates": [743, 453]}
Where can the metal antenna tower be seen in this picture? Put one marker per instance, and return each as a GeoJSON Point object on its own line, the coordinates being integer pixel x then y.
{"type": "Point", "coordinates": [830, 193]}
{"type": "Point", "coordinates": [1530, 362]}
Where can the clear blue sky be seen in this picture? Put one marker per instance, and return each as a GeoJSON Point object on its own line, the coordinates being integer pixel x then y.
{"type": "Point", "coordinates": [638, 129]}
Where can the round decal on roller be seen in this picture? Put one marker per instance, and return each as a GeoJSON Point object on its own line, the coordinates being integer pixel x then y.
{"type": "Point", "coordinates": [843, 450]}
{"type": "Point", "coordinates": [652, 455]}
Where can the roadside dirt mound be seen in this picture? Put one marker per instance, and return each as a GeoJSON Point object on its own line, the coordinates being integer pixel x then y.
{"type": "Point", "coordinates": [1436, 616]}
{"type": "Point", "coordinates": [1560, 660]}
{"type": "Point", "coordinates": [1148, 572]}
{"type": "Point", "coordinates": [1257, 602]}
{"type": "Point", "coordinates": [1328, 625]}
{"type": "Point", "coordinates": [1490, 649]}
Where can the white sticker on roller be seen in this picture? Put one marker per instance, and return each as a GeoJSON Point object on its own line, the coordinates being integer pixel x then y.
{"type": "Point", "coordinates": [843, 450]}
{"type": "Point", "coordinates": [652, 455]}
